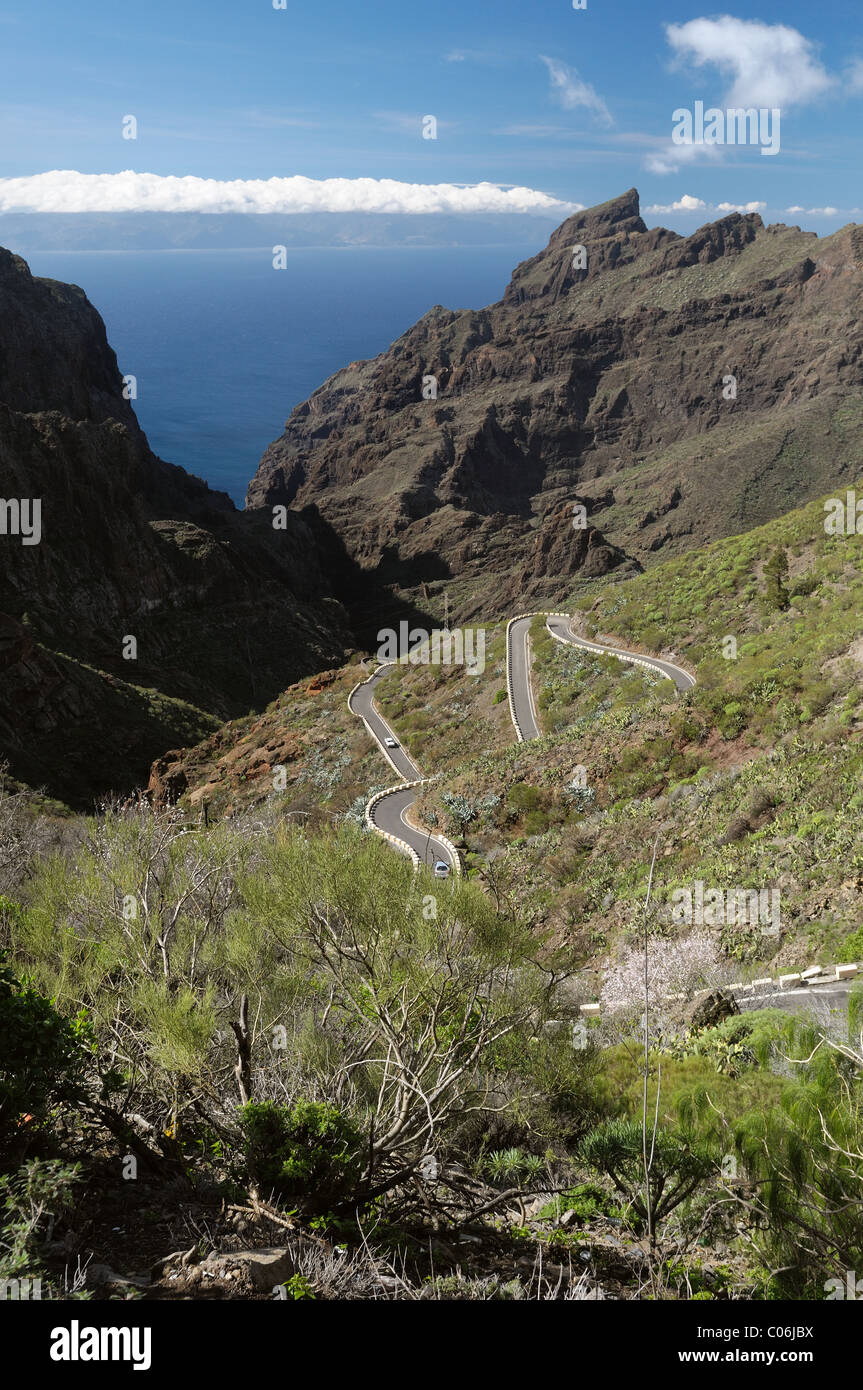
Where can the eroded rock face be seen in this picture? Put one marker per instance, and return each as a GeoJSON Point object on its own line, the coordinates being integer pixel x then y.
{"type": "Point", "coordinates": [711, 1009]}
{"type": "Point", "coordinates": [167, 779]}
{"type": "Point", "coordinates": [225, 610]}
{"type": "Point", "coordinates": [54, 352]}
{"type": "Point", "coordinates": [607, 385]}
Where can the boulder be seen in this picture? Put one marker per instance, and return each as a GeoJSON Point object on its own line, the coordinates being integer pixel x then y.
{"type": "Point", "coordinates": [710, 1009]}
{"type": "Point", "coordinates": [263, 1268]}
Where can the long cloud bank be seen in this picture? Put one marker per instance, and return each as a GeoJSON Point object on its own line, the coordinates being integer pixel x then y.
{"type": "Point", "coordinates": [65, 190]}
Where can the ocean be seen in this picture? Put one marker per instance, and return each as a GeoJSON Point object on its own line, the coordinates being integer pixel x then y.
{"type": "Point", "coordinates": [223, 346]}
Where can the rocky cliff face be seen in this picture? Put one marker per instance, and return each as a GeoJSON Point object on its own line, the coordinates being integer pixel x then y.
{"type": "Point", "coordinates": [224, 610]}
{"type": "Point", "coordinates": [677, 388]}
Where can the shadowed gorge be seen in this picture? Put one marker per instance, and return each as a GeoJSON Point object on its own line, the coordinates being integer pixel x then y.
{"type": "Point", "coordinates": [225, 610]}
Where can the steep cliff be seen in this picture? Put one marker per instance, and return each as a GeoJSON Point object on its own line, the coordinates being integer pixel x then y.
{"type": "Point", "coordinates": [224, 610]}
{"type": "Point", "coordinates": [677, 388]}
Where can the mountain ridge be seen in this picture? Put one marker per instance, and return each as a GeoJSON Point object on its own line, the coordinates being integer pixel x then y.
{"type": "Point", "coordinates": [598, 385]}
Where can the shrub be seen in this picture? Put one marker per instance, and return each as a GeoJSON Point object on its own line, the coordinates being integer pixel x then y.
{"type": "Point", "coordinates": [851, 949]}
{"type": "Point", "coordinates": [588, 1200]}
{"type": "Point", "coordinates": [28, 1197]}
{"type": "Point", "coordinates": [305, 1150]}
{"type": "Point", "coordinates": [535, 822]}
{"type": "Point", "coordinates": [461, 811]}
{"type": "Point", "coordinates": [42, 1059]}
{"type": "Point", "coordinates": [513, 1166]}
{"type": "Point", "coordinates": [522, 798]}
{"type": "Point", "coordinates": [678, 1166]}
{"type": "Point", "coordinates": [802, 1189]}
{"type": "Point", "coordinates": [775, 574]}
{"type": "Point", "coordinates": [732, 719]}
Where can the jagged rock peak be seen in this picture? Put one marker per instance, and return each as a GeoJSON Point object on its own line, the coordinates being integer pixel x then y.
{"type": "Point", "coordinates": [599, 375]}
{"type": "Point", "coordinates": [606, 219]}
{"type": "Point", "coordinates": [612, 234]}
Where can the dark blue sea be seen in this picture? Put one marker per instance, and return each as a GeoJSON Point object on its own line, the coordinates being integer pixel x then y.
{"type": "Point", "coordinates": [223, 346]}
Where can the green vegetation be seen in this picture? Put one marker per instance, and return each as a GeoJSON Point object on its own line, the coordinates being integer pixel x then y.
{"type": "Point", "coordinates": [442, 715]}
{"type": "Point", "coordinates": [266, 1015]}
{"type": "Point", "coordinates": [42, 1057]}
{"type": "Point", "coordinates": [267, 1012]}
{"type": "Point", "coordinates": [680, 1165]}
{"type": "Point", "coordinates": [305, 1150]}
{"type": "Point", "coordinates": [751, 779]}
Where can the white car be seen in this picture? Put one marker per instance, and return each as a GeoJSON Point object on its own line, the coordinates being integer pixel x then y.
{"type": "Point", "coordinates": [390, 743]}
{"type": "Point", "coordinates": [441, 870]}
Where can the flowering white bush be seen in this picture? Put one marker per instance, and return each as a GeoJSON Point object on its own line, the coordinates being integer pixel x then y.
{"type": "Point", "coordinates": [680, 966]}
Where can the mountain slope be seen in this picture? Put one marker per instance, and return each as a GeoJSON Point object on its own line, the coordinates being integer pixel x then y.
{"type": "Point", "coordinates": [605, 386]}
{"type": "Point", "coordinates": [751, 780]}
{"type": "Point", "coordinates": [225, 610]}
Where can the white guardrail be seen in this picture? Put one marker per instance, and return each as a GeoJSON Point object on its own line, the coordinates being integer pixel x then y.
{"type": "Point", "coordinates": [517, 619]}
{"type": "Point", "coordinates": [592, 646]}
{"type": "Point", "coordinates": [815, 975]}
{"type": "Point", "coordinates": [401, 845]}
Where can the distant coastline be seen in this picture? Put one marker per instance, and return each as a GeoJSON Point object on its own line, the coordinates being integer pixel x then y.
{"type": "Point", "coordinates": [155, 231]}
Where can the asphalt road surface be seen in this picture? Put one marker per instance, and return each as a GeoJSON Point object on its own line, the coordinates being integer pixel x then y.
{"type": "Point", "coordinates": [519, 679]}
{"type": "Point", "coordinates": [389, 813]}
{"type": "Point", "coordinates": [817, 1000]}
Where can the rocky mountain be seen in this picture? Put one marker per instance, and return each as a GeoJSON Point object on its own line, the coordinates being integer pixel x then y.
{"type": "Point", "coordinates": [138, 609]}
{"type": "Point", "coordinates": [678, 389]}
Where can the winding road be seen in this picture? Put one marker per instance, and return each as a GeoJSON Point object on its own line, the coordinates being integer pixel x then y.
{"type": "Point", "coordinates": [387, 811]}
{"type": "Point", "coordinates": [521, 702]}
{"type": "Point", "coordinates": [521, 705]}
{"type": "Point", "coordinates": [388, 814]}
{"type": "Point", "coordinates": [560, 627]}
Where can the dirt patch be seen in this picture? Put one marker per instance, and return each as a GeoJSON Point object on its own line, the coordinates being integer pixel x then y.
{"type": "Point", "coordinates": [725, 753]}
{"type": "Point", "coordinates": [854, 654]}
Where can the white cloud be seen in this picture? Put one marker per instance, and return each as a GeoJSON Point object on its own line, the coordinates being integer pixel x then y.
{"type": "Point", "coordinates": [817, 212]}
{"type": "Point", "coordinates": [568, 89]}
{"type": "Point", "coordinates": [768, 64]}
{"type": "Point", "coordinates": [689, 204]}
{"type": "Point", "coordinates": [854, 75]}
{"type": "Point", "coordinates": [670, 158]}
{"type": "Point", "coordinates": [741, 207]}
{"type": "Point", "coordinates": [65, 190]}
{"type": "Point", "coordinates": [685, 204]}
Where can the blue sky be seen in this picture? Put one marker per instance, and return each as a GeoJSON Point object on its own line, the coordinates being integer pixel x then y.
{"type": "Point", "coordinates": [575, 103]}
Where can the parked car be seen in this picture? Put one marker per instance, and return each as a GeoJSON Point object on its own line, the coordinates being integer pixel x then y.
{"type": "Point", "coordinates": [441, 870]}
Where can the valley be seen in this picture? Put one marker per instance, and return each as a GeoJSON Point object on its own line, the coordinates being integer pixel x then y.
{"type": "Point", "coordinates": [382, 866]}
